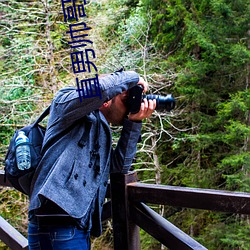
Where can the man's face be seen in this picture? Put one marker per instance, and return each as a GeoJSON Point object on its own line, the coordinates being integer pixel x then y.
{"type": "Point", "coordinates": [117, 109]}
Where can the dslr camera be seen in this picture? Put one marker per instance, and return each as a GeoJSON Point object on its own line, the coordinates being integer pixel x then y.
{"type": "Point", "coordinates": [135, 97]}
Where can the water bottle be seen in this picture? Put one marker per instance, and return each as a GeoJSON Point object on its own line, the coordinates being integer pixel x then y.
{"type": "Point", "coordinates": [23, 156]}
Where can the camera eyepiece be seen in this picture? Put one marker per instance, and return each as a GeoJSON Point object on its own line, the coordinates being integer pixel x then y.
{"type": "Point", "coordinates": [135, 98]}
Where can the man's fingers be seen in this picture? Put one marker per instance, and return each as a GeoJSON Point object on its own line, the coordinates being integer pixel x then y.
{"type": "Point", "coordinates": [151, 104]}
{"type": "Point", "coordinates": [143, 83]}
{"type": "Point", "coordinates": [145, 102]}
{"type": "Point", "coordinates": [147, 108]}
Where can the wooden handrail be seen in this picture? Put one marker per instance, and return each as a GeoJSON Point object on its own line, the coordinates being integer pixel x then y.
{"type": "Point", "coordinates": [208, 199]}
{"type": "Point", "coordinates": [134, 194]}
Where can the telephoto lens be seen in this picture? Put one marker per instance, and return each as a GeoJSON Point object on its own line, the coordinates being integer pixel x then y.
{"type": "Point", "coordinates": [162, 102]}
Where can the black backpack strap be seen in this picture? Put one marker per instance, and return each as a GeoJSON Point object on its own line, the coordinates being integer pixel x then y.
{"type": "Point", "coordinates": [43, 115]}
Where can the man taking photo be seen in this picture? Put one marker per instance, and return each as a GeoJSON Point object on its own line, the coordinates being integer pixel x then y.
{"type": "Point", "coordinates": [70, 183]}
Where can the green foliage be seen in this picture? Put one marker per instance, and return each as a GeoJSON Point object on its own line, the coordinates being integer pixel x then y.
{"type": "Point", "coordinates": [14, 208]}
{"type": "Point", "coordinates": [197, 50]}
{"type": "Point", "coordinates": [148, 242]}
{"type": "Point", "coordinates": [222, 235]}
{"type": "Point", "coordinates": [206, 43]}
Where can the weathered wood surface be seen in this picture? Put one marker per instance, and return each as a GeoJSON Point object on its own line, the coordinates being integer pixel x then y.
{"type": "Point", "coordinates": [125, 231]}
{"type": "Point", "coordinates": [11, 237]}
{"type": "Point", "coordinates": [208, 199]}
{"type": "Point", "coordinates": [162, 230]}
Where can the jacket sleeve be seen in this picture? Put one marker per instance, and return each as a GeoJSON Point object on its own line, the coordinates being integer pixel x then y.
{"type": "Point", "coordinates": [124, 153]}
{"type": "Point", "coordinates": [66, 107]}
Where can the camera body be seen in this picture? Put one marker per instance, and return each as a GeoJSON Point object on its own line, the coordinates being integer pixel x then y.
{"type": "Point", "coordinates": [135, 97]}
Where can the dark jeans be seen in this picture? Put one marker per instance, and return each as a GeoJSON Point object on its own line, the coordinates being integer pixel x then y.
{"type": "Point", "coordinates": [57, 238]}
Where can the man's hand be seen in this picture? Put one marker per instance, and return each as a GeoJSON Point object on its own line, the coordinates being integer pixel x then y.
{"type": "Point", "coordinates": [147, 108]}
{"type": "Point", "coordinates": [143, 83]}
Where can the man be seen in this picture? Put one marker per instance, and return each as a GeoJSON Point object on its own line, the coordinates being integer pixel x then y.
{"type": "Point", "coordinates": [70, 184]}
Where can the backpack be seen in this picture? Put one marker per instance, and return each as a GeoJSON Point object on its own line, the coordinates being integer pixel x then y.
{"type": "Point", "coordinates": [21, 179]}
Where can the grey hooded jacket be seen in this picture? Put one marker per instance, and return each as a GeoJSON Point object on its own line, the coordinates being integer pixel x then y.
{"type": "Point", "coordinates": [67, 174]}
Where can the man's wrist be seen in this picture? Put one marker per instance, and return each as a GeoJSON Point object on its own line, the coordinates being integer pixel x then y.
{"type": "Point", "coordinates": [130, 122]}
{"type": "Point", "coordinates": [133, 120]}
{"type": "Point", "coordinates": [136, 121]}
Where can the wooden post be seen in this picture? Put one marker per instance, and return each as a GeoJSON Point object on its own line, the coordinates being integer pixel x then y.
{"type": "Point", "coordinates": [126, 233]}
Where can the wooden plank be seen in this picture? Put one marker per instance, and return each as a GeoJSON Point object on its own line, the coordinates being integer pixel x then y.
{"type": "Point", "coordinates": [161, 229]}
{"type": "Point", "coordinates": [2, 181]}
{"type": "Point", "coordinates": [208, 199]}
{"type": "Point", "coordinates": [11, 237]}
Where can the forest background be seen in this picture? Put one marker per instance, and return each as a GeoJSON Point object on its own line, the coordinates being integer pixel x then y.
{"type": "Point", "coordinates": [197, 50]}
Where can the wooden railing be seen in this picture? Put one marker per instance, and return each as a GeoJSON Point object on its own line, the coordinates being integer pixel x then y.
{"type": "Point", "coordinates": [8, 234]}
{"type": "Point", "coordinates": [129, 212]}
